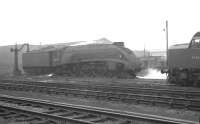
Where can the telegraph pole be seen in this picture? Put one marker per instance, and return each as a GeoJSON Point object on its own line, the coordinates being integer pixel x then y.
{"type": "Point", "coordinates": [166, 42]}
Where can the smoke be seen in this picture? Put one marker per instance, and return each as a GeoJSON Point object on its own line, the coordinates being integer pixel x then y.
{"type": "Point", "coordinates": [151, 73]}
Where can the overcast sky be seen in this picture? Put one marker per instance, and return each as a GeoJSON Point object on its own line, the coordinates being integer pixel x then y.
{"type": "Point", "coordinates": [135, 22]}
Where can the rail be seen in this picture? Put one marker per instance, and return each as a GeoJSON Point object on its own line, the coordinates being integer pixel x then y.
{"type": "Point", "coordinates": [26, 109]}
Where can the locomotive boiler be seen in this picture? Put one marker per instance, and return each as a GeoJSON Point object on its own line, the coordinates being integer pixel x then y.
{"type": "Point", "coordinates": [184, 63]}
{"type": "Point", "coordinates": [107, 60]}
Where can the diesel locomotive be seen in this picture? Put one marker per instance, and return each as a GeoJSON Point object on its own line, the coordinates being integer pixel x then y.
{"type": "Point", "coordinates": [92, 60]}
{"type": "Point", "coordinates": [184, 63]}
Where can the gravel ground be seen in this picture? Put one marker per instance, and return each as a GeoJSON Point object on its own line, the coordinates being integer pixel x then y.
{"type": "Point", "coordinates": [161, 111]}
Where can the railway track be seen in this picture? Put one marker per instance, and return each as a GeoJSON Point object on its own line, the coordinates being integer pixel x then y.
{"type": "Point", "coordinates": [160, 91]}
{"type": "Point", "coordinates": [35, 111]}
{"type": "Point", "coordinates": [174, 102]}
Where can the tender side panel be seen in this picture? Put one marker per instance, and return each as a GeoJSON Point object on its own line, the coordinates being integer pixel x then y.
{"type": "Point", "coordinates": [41, 59]}
{"type": "Point", "coordinates": [55, 57]}
{"type": "Point", "coordinates": [184, 58]}
{"type": "Point", "coordinates": [66, 58]}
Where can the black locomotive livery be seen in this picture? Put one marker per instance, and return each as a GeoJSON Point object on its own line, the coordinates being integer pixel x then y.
{"type": "Point", "coordinates": [109, 60]}
{"type": "Point", "coordinates": [184, 63]}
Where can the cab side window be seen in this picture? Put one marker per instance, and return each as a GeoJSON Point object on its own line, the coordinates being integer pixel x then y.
{"type": "Point", "coordinates": [195, 43]}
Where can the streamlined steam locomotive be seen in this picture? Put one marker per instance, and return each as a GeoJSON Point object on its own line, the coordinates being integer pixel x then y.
{"type": "Point", "coordinates": [184, 63]}
{"type": "Point", "coordinates": [107, 60]}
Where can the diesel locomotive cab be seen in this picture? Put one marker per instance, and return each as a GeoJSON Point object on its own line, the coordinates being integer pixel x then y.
{"type": "Point", "coordinates": [195, 42]}
{"type": "Point", "coordinates": [184, 63]}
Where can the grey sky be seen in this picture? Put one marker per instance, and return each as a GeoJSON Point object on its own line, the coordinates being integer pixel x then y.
{"type": "Point", "coordinates": [136, 22]}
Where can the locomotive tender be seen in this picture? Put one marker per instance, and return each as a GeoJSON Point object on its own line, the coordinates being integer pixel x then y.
{"type": "Point", "coordinates": [184, 63]}
{"type": "Point", "coordinates": [108, 60]}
